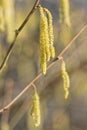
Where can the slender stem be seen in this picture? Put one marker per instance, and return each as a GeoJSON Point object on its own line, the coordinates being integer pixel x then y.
{"type": "Point", "coordinates": [34, 86]}
{"type": "Point", "coordinates": [40, 74]}
{"type": "Point", "coordinates": [17, 33]}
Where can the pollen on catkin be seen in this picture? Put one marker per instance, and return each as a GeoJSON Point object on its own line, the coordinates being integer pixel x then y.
{"type": "Point", "coordinates": [47, 49]}
{"type": "Point", "coordinates": [44, 41]}
{"type": "Point", "coordinates": [66, 80]}
{"type": "Point", "coordinates": [50, 30]}
{"type": "Point", "coordinates": [64, 16]}
{"type": "Point", "coordinates": [46, 34]}
{"type": "Point", "coordinates": [35, 111]}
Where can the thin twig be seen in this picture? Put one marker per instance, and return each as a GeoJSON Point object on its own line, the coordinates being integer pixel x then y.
{"type": "Point", "coordinates": [17, 31]}
{"type": "Point", "coordinates": [34, 86]}
{"type": "Point", "coordinates": [40, 74]}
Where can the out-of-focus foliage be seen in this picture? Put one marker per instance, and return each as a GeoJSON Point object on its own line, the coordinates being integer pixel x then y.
{"type": "Point", "coordinates": [23, 66]}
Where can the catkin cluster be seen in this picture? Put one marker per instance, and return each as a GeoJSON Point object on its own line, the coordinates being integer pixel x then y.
{"type": "Point", "coordinates": [35, 111]}
{"type": "Point", "coordinates": [64, 15]}
{"type": "Point", "coordinates": [66, 81]}
{"type": "Point", "coordinates": [46, 38]}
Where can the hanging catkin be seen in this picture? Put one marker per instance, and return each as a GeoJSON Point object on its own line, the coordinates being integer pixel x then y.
{"type": "Point", "coordinates": [35, 111]}
{"type": "Point", "coordinates": [46, 38]}
{"type": "Point", "coordinates": [66, 81]}
{"type": "Point", "coordinates": [44, 41]}
{"type": "Point", "coordinates": [50, 30]}
{"type": "Point", "coordinates": [64, 16]}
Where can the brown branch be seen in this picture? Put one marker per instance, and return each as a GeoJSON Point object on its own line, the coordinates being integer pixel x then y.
{"type": "Point", "coordinates": [40, 74]}
{"type": "Point", "coordinates": [34, 86]}
{"type": "Point", "coordinates": [17, 31]}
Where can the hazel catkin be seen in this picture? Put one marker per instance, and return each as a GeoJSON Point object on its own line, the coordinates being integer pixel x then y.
{"type": "Point", "coordinates": [66, 80]}
{"type": "Point", "coordinates": [47, 49]}
{"type": "Point", "coordinates": [44, 41]}
{"type": "Point", "coordinates": [50, 30]}
{"type": "Point", "coordinates": [35, 111]}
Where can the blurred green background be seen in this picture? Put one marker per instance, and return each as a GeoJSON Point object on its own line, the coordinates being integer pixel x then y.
{"type": "Point", "coordinates": [23, 66]}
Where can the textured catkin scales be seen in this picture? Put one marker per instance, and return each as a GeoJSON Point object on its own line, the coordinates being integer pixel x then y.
{"type": "Point", "coordinates": [50, 31]}
{"type": "Point", "coordinates": [9, 17]}
{"type": "Point", "coordinates": [42, 41]}
{"type": "Point", "coordinates": [46, 35]}
{"type": "Point", "coordinates": [46, 38]}
{"type": "Point", "coordinates": [64, 15]}
{"type": "Point", "coordinates": [35, 111]}
{"type": "Point", "coordinates": [52, 50]}
{"type": "Point", "coordinates": [66, 80]}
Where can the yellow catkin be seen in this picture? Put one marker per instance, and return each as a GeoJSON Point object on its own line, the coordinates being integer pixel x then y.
{"type": "Point", "coordinates": [44, 41]}
{"type": "Point", "coordinates": [46, 35]}
{"type": "Point", "coordinates": [35, 111]}
{"type": "Point", "coordinates": [47, 49]}
{"type": "Point", "coordinates": [64, 16]}
{"type": "Point", "coordinates": [66, 81]}
{"type": "Point", "coordinates": [50, 30]}
{"type": "Point", "coordinates": [52, 50]}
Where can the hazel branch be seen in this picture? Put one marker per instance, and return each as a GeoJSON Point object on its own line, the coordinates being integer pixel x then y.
{"type": "Point", "coordinates": [59, 57]}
